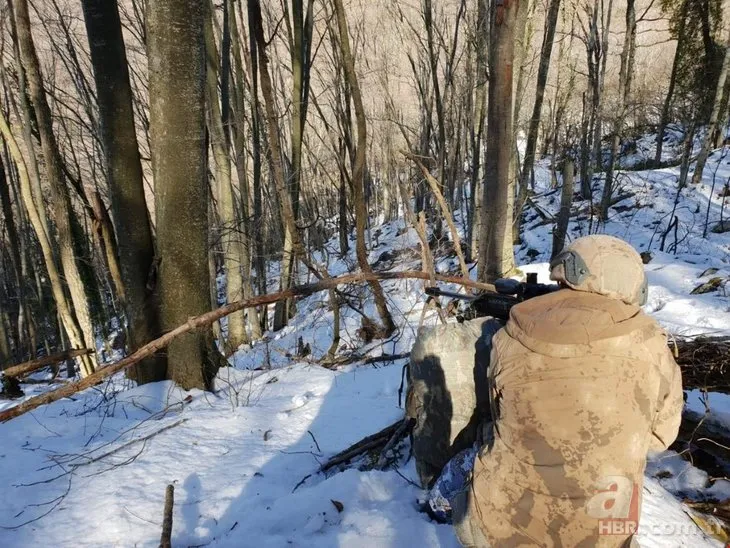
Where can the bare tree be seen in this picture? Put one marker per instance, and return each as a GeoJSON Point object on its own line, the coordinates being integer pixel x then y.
{"type": "Point", "coordinates": [714, 118]}
{"type": "Point", "coordinates": [626, 74]}
{"type": "Point", "coordinates": [230, 234]}
{"type": "Point", "coordinates": [566, 199]}
{"type": "Point", "coordinates": [358, 172]}
{"type": "Point", "coordinates": [61, 203]}
{"type": "Point", "coordinates": [126, 183]}
{"type": "Point", "coordinates": [176, 54]}
{"type": "Point", "coordinates": [496, 257]}
{"type": "Point", "coordinates": [542, 76]}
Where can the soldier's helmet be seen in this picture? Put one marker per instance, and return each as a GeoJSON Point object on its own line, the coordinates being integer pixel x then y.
{"type": "Point", "coordinates": [604, 265]}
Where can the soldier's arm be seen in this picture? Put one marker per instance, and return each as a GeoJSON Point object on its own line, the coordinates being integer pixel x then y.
{"type": "Point", "coordinates": [670, 404]}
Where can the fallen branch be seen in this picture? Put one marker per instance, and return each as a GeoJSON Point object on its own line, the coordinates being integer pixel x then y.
{"type": "Point", "coordinates": [33, 365]}
{"type": "Point", "coordinates": [387, 358]}
{"type": "Point", "coordinates": [403, 430]}
{"type": "Point", "coordinates": [165, 539]}
{"type": "Point", "coordinates": [365, 444]}
{"type": "Point", "coordinates": [127, 444]}
{"type": "Point", "coordinates": [210, 317]}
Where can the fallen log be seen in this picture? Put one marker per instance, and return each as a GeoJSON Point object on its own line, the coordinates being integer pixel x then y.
{"type": "Point", "coordinates": [210, 317]}
{"type": "Point", "coordinates": [33, 365]}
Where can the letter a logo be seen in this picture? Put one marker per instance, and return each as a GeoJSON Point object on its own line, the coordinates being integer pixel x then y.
{"type": "Point", "coordinates": [613, 499]}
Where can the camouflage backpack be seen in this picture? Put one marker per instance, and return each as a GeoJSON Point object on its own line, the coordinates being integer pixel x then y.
{"type": "Point", "coordinates": [447, 391]}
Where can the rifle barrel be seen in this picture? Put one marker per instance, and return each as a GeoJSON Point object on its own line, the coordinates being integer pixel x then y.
{"type": "Point", "coordinates": [436, 292]}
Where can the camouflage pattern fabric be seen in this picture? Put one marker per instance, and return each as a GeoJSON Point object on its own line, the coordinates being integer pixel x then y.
{"type": "Point", "coordinates": [447, 391]}
{"type": "Point", "coordinates": [581, 387]}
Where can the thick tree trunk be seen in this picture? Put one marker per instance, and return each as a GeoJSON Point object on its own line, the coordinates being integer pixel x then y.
{"type": "Point", "coordinates": [497, 258]}
{"type": "Point", "coordinates": [358, 172]}
{"type": "Point", "coordinates": [60, 201]}
{"type": "Point", "coordinates": [135, 244]}
{"type": "Point", "coordinates": [714, 119]}
{"type": "Point", "coordinates": [176, 54]}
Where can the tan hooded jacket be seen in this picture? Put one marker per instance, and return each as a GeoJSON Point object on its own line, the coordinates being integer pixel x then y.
{"type": "Point", "coordinates": [582, 385]}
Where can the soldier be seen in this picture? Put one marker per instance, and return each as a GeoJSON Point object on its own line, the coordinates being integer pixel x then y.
{"type": "Point", "coordinates": [581, 386]}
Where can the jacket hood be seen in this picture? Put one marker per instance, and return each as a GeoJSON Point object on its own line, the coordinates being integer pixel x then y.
{"type": "Point", "coordinates": [570, 323]}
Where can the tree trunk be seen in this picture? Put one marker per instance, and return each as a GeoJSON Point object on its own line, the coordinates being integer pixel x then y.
{"type": "Point", "coordinates": [681, 36]}
{"type": "Point", "coordinates": [480, 107]}
{"type": "Point", "coordinates": [60, 201]}
{"type": "Point", "coordinates": [252, 233]}
{"type": "Point", "coordinates": [597, 109]}
{"type": "Point", "coordinates": [542, 76]}
{"type": "Point", "coordinates": [358, 172]}
{"type": "Point", "coordinates": [566, 199]}
{"type": "Point", "coordinates": [229, 229]}
{"type": "Point", "coordinates": [176, 56]}
{"type": "Point", "coordinates": [22, 323]}
{"type": "Point", "coordinates": [497, 258]}
{"type": "Point", "coordinates": [342, 204]}
{"type": "Point", "coordinates": [714, 119]}
{"type": "Point", "coordinates": [626, 73]}
{"type": "Point", "coordinates": [135, 244]}
{"type": "Point", "coordinates": [65, 312]}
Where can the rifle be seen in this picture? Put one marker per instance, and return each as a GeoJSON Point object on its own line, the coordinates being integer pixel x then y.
{"type": "Point", "coordinates": [508, 292]}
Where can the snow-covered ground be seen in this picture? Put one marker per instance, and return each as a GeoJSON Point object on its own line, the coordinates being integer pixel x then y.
{"type": "Point", "coordinates": [92, 470]}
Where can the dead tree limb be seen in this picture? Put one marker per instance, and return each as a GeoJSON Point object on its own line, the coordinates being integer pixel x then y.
{"type": "Point", "coordinates": [32, 365]}
{"type": "Point", "coordinates": [403, 430]}
{"type": "Point", "coordinates": [434, 184]}
{"type": "Point", "coordinates": [165, 539]}
{"type": "Point", "coordinates": [208, 318]}
{"type": "Point", "coordinates": [92, 460]}
{"type": "Point", "coordinates": [378, 439]}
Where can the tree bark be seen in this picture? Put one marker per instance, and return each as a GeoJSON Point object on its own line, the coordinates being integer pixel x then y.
{"type": "Point", "coordinates": [497, 258]}
{"type": "Point", "coordinates": [626, 73]}
{"type": "Point", "coordinates": [292, 244]}
{"type": "Point", "coordinates": [33, 365]}
{"type": "Point", "coordinates": [60, 201]}
{"type": "Point", "coordinates": [65, 312]}
{"type": "Point", "coordinates": [542, 76]}
{"type": "Point", "coordinates": [714, 119]}
{"type": "Point", "coordinates": [229, 229]}
{"type": "Point", "coordinates": [252, 235]}
{"type": "Point", "coordinates": [176, 57]}
{"type": "Point", "coordinates": [358, 171]}
{"type": "Point", "coordinates": [135, 245]}
{"type": "Point", "coordinates": [22, 323]}
{"type": "Point", "coordinates": [679, 51]}
{"type": "Point", "coordinates": [566, 199]}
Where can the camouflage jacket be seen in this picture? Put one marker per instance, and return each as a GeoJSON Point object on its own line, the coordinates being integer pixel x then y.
{"type": "Point", "coordinates": [581, 387]}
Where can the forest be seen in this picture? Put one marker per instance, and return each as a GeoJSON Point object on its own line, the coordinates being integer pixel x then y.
{"type": "Point", "coordinates": [222, 224]}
